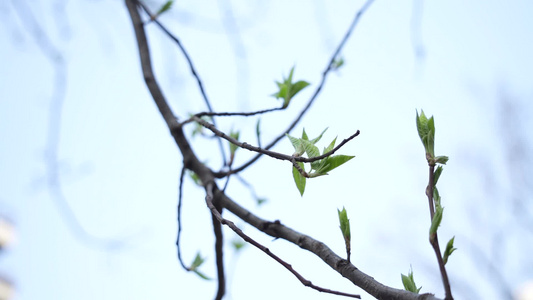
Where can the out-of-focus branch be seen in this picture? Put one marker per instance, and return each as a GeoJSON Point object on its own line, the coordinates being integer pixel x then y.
{"type": "Point", "coordinates": [55, 110]}
{"type": "Point", "coordinates": [178, 235]}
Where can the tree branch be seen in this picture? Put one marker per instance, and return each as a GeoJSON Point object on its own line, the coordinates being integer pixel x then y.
{"type": "Point", "coordinates": [209, 199]}
{"type": "Point", "coordinates": [274, 229]}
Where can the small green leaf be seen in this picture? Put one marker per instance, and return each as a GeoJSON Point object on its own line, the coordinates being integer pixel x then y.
{"type": "Point", "coordinates": [165, 7]}
{"type": "Point", "coordinates": [441, 159]}
{"type": "Point", "coordinates": [449, 250]}
{"type": "Point", "coordinates": [299, 179]}
{"type": "Point", "coordinates": [238, 244]}
{"type": "Point", "coordinates": [437, 218]}
{"type": "Point", "coordinates": [260, 201]}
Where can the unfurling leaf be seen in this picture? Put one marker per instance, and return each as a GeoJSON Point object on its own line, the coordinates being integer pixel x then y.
{"type": "Point", "coordinates": [344, 225]}
{"type": "Point", "coordinates": [288, 89]}
{"type": "Point", "coordinates": [409, 282]}
{"type": "Point", "coordinates": [345, 229]}
{"type": "Point", "coordinates": [299, 179]}
{"type": "Point", "coordinates": [426, 132]}
{"type": "Point", "coordinates": [449, 250]}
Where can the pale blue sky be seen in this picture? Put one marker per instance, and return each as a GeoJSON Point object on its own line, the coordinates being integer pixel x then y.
{"type": "Point", "coordinates": [119, 167]}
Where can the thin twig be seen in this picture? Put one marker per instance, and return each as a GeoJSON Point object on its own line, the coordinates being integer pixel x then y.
{"type": "Point", "coordinates": [329, 68]}
{"type": "Point", "coordinates": [209, 201]}
{"type": "Point", "coordinates": [242, 114]}
{"type": "Point", "coordinates": [178, 237]}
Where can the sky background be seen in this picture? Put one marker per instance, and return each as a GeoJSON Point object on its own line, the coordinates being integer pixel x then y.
{"type": "Point", "coordinates": [78, 126]}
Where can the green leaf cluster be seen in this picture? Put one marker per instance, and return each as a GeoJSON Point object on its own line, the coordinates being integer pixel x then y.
{"type": "Point", "coordinates": [409, 282]}
{"type": "Point", "coordinates": [197, 262]}
{"type": "Point", "coordinates": [319, 167]}
{"type": "Point", "coordinates": [426, 132]}
{"type": "Point", "coordinates": [288, 89]}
